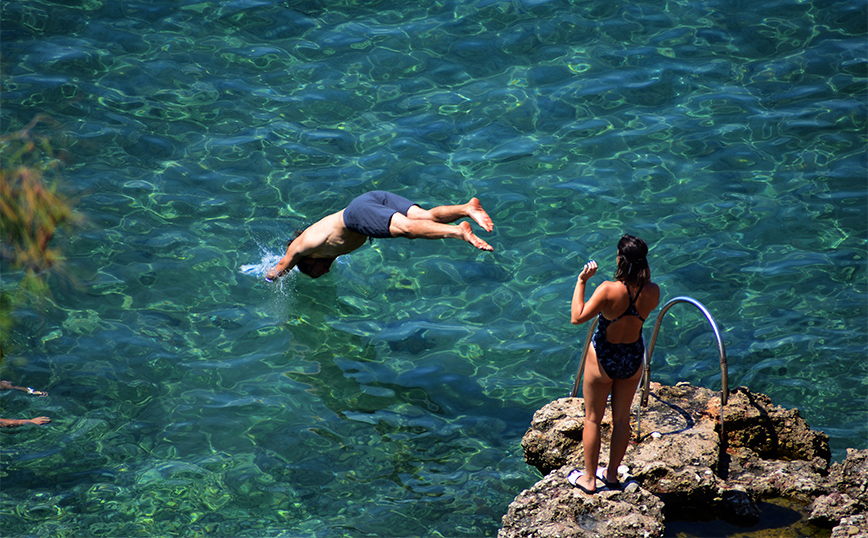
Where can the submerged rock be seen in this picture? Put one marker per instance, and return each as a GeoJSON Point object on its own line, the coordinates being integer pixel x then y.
{"type": "Point", "coordinates": [682, 460]}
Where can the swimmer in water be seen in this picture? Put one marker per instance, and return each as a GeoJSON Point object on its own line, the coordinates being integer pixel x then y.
{"type": "Point", "coordinates": [13, 422]}
{"type": "Point", "coordinates": [377, 214]}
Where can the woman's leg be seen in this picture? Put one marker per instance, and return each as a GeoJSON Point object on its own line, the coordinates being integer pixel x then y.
{"type": "Point", "coordinates": [595, 389]}
{"type": "Point", "coordinates": [622, 397]}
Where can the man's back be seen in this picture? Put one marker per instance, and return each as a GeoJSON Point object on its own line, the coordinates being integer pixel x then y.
{"type": "Point", "coordinates": [329, 238]}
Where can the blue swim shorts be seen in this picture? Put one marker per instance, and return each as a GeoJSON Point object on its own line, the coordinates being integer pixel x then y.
{"type": "Point", "coordinates": [371, 213]}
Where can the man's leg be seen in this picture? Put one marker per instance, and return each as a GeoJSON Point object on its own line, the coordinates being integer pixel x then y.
{"type": "Point", "coordinates": [451, 213]}
{"type": "Point", "coordinates": [423, 228]}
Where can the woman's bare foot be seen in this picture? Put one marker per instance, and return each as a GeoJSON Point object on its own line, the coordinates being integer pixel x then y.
{"type": "Point", "coordinates": [475, 211]}
{"type": "Point", "coordinates": [471, 238]}
{"type": "Point", "coordinates": [588, 484]}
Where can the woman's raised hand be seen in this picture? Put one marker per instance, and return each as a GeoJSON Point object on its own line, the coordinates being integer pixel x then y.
{"type": "Point", "coordinates": [588, 271]}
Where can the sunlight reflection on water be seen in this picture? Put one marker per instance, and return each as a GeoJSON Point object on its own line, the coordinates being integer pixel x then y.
{"type": "Point", "coordinates": [389, 397]}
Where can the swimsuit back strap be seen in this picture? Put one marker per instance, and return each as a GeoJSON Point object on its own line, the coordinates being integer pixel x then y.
{"type": "Point", "coordinates": [633, 299]}
{"type": "Point", "coordinates": [631, 308]}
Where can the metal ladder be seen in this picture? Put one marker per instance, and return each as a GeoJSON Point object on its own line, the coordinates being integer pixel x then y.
{"type": "Point", "coordinates": [646, 374]}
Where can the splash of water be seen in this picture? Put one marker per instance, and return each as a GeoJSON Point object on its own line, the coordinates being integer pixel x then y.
{"type": "Point", "coordinates": [268, 260]}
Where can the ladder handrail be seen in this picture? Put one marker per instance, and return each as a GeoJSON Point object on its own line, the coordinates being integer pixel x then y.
{"type": "Point", "coordinates": [724, 373]}
{"type": "Point", "coordinates": [646, 362]}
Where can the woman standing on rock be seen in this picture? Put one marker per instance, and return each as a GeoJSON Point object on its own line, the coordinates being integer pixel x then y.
{"type": "Point", "coordinates": [614, 362]}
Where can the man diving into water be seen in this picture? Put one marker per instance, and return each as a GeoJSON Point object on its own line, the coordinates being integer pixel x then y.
{"type": "Point", "coordinates": [377, 214]}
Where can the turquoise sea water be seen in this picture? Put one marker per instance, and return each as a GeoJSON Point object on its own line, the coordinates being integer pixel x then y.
{"type": "Point", "coordinates": [388, 398]}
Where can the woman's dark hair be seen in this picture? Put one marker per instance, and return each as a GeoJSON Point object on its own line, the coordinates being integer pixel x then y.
{"type": "Point", "coordinates": [633, 266]}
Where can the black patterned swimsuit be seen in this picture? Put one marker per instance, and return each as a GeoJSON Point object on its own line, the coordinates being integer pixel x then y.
{"type": "Point", "coordinates": [619, 361]}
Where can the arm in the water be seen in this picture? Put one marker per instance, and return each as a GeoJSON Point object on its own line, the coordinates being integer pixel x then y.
{"type": "Point", "coordinates": [11, 422]}
{"type": "Point", "coordinates": [285, 265]}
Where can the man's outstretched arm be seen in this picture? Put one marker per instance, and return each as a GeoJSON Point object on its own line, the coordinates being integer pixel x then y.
{"type": "Point", "coordinates": [297, 249]}
{"type": "Point", "coordinates": [11, 422]}
{"type": "Point", "coordinates": [285, 265]}
{"type": "Point", "coordinates": [5, 385]}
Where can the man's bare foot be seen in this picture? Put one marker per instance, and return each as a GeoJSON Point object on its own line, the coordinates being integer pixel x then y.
{"type": "Point", "coordinates": [471, 238]}
{"type": "Point", "coordinates": [475, 211]}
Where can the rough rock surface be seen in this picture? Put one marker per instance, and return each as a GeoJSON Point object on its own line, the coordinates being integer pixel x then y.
{"type": "Point", "coordinates": [553, 508]}
{"type": "Point", "coordinates": [770, 430]}
{"type": "Point", "coordinates": [680, 458]}
{"type": "Point", "coordinates": [555, 434]}
{"type": "Point", "coordinates": [848, 482]}
{"type": "Point", "coordinates": [851, 476]}
{"type": "Point", "coordinates": [801, 480]}
{"type": "Point", "coordinates": [830, 509]}
{"type": "Point", "coordinates": [852, 527]}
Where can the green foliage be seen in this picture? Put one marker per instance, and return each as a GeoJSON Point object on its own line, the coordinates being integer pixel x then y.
{"type": "Point", "coordinates": [31, 212]}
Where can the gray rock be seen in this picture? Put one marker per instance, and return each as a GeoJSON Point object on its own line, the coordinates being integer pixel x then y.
{"type": "Point", "coordinates": [553, 508]}
{"type": "Point", "coordinates": [685, 460]}
{"type": "Point", "coordinates": [555, 434]}
{"type": "Point", "coordinates": [851, 476]}
{"type": "Point", "coordinates": [739, 506]}
{"type": "Point", "coordinates": [829, 510]}
{"type": "Point", "coordinates": [801, 480]}
{"type": "Point", "coordinates": [771, 431]}
{"type": "Point", "coordinates": [852, 527]}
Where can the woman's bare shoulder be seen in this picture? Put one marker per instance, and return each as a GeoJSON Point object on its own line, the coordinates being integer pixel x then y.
{"type": "Point", "coordinates": [610, 289]}
{"type": "Point", "coordinates": [652, 291]}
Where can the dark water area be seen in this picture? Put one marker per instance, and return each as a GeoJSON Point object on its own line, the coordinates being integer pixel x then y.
{"type": "Point", "coordinates": [779, 518]}
{"type": "Point", "coordinates": [388, 398]}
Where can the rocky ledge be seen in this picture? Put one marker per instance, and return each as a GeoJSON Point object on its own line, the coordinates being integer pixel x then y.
{"type": "Point", "coordinates": [684, 461]}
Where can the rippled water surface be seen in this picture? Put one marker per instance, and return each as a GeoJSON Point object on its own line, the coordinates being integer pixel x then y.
{"type": "Point", "coordinates": [388, 398]}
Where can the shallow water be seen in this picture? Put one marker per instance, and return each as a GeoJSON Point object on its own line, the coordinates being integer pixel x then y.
{"type": "Point", "coordinates": [389, 398]}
